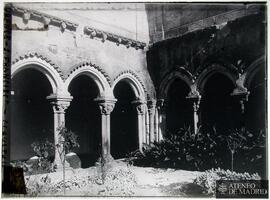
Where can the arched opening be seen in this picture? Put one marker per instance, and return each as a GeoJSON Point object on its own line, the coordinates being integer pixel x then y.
{"type": "Point", "coordinates": [31, 113]}
{"type": "Point", "coordinates": [124, 131]}
{"type": "Point", "coordinates": [256, 105]}
{"type": "Point", "coordinates": [178, 111]}
{"type": "Point", "coordinates": [83, 118]}
{"type": "Point", "coordinates": [219, 109]}
{"type": "Point", "coordinates": [255, 122]}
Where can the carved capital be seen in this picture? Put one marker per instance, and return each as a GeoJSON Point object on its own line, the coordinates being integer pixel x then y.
{"type": "Point", "coordinates": [106, 105]}
{"type": "Point", "coordinates": [60, 106]}
{"type": "Point", "coordinates": [106, 108]}
{"type": "Point", "coordinates": [195, 99]}
{"type": "Point", "coordinates": [161, 104]}
{"type": "Point", "coordinates": [140, 106]}
{"type": "Point", "coordinates": [151, 106]}
{"type": "Point", "coordinates": [242, 97]}
{"type": "Point", "coordinates": [60, 103]}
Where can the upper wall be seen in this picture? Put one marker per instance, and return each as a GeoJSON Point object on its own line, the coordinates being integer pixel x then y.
{"type": "Point", "coordinates": [75, 44]}
{"type": "Point", "coordinates": [175, 19]}
{"type": "Point", "coordinates": [233, 45]}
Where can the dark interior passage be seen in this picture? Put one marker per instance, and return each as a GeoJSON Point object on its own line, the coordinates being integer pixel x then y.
{"type": "Point", "coordinates": [256, 106]}
{"type": "Point", "coordinates": [255, 121]}
{"type": "Point", "coordinates": [124, 133]}
{"type": "Point", "coordinates": [179, 110]}
{"type": "Point", "coordinates": [83, 118]}
{"type": "Point", "coordinates": [219, 109]}
{"type": "Point", "coordinates": [31, 113]}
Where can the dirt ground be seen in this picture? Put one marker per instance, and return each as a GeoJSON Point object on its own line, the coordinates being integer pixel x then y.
{"type": "Point", "coordinates": [121, 180]}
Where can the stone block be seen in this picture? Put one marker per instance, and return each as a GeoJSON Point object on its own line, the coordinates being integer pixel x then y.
{"type": "Point", "coordinates": [73, 160]}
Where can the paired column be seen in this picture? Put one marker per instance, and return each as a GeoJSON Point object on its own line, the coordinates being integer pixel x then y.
{"type": "Point", "coordinates": [140, 108]}
{"type": "Point", "coordinates": [241, 96]}
{"type": "Point", "coordinates": [151, 111]}
{"type": "Point", "coordinates": [60, 104]}
{"type": "Point", "coordinates": [106, 106]}
{"type": "Point", "coordinates": [161, 119]}
{"type": "Point", "coordinates": [195, 100]}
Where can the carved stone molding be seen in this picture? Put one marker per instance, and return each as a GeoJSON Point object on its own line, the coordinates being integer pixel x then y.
{"type": "Point", "coordinates": [106, 105]}
{"type": "Point", "coordinates": [42, 57]}
{"type": "Point", "coordinates": [133, 74]}
{"type": "Point", "coordinates": [103, 36]}
{"type": "Point", "coordinates": [28, 14]}
{"type": "Point", "coordinates": [78, 66]}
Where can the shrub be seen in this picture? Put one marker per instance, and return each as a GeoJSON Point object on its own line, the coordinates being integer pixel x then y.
{"type": "Point", "coordinates": [207, 180]}
{"type": "Point", "coordinates": [184, 150]}
{"type": "Point", "coordinates": [204, 150]}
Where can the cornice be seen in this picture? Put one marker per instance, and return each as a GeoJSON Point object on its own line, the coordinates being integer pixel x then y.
{"type": "Point", "coordinates": [46, 19]}
{"type": "Point", "coordinates": [28, 14]}
{"type": "Point", "coordinates": [103, 35]}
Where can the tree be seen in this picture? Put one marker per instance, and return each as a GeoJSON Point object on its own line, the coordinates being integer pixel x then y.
{"type": "Point", "coordinates": [235, 140]}
{"type": "Point", "coordinates": [67, 141]}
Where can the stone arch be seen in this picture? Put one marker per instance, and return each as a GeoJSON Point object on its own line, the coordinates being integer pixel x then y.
{"type": "Point", "coordinates": [252, 69]}
{"type": "Point", "coordinates": [42, 64]}
{"type": "Point", "coordinates": [98, 75]}
{"type": "Point", "coordinates": [133, 80]}
{"type": "Point", "coordinates": [209, 71]}
{"type": "Point", "coordinates": [168, 80]}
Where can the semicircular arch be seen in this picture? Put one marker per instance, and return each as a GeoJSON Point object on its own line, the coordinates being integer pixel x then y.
{"type": "Point", "coordinates": [252, 69]}
{"type": "Point", "coordinates": [94, 72]}
{"type": "Point", "coordinates": [42, 64]}
{"type": "Point", "coordinates": [168, 80]}
{"type": "Point", "coordinates": [132, 79]}
{"type": "Point", "coordinates": [210, 71]}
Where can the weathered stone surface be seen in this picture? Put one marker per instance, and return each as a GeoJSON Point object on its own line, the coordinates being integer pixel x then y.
{"type": "Point", "coordinates": [73, 160]}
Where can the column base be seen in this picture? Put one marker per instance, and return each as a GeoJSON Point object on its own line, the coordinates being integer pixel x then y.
{"type": "Point", "coordinates": [105, 159]}
{"type": "Point", "coordinates": [59, 166]}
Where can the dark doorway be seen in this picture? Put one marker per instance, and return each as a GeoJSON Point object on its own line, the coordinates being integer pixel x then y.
{"type": "Point", "coordinates": [124, 131]}
{"type": "Point", "coordinates": [219, 109]}
{"type": "Point", "coordinates": [31, 113]}
{"type": "Point", "coordinates": [83, 118]}
{"type": "Point", "coordinates": [179, 110]}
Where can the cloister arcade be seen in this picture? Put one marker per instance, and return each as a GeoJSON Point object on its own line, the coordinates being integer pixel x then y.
{"type": "Point", "coordinates": [112, 120]}
{"type": "Point", "coordinates": [83, 103]}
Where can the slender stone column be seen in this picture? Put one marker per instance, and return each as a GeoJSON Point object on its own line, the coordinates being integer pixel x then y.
{"type": "Point", "coordinates": [151, 111]}
{"type": "Point", "coordinates": [195, 99]}
{"type": "Point", "coordinates": [162, 119]}
{"type": "Point", "coordinates": [147, 127]}
{"type": "Point", "coordinates": [106, 106]}
{"type": "Point", "coordinates": [60, 104]}
{"type": "Point", "coordinates": [140, 108]}
{"type": "Point", "coordinates": [156, 124]}
{"type": "Point", "coordinates": [241, 95]}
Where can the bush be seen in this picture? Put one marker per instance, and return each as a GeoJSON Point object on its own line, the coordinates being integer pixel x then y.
{"type": "Point", "coordinates": [184, 150]}
{"type": "Point", "coordinates": [207, 180]}
{"type": "Point", "coordinates": [205, 150]}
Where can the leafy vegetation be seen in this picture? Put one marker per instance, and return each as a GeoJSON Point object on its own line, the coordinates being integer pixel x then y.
{"type": "Point", "coordinates": [208, 179]}
{"type": "Point", "coordinates": [202, 151]}
{"type": "Point", "coordinates": [67, 141]}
